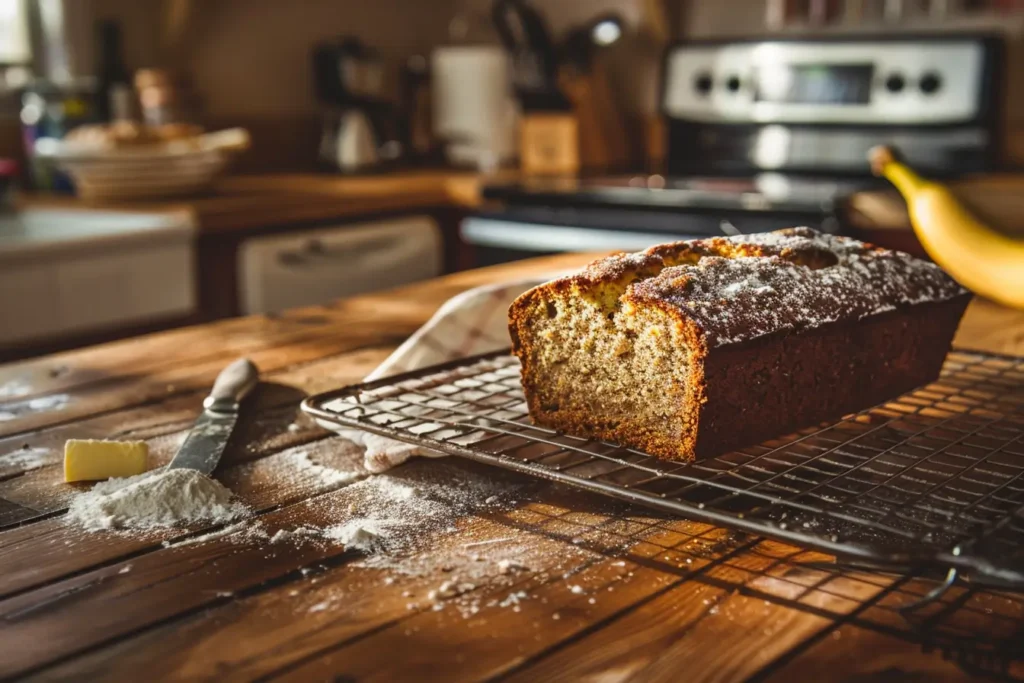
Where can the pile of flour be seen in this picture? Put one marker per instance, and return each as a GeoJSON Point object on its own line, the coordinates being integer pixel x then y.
{"type": "Point", "coordinates": [161, 498]}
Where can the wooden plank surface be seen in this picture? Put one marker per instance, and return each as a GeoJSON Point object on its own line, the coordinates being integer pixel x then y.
{"type": "Point", "coordinates": [598, 590]}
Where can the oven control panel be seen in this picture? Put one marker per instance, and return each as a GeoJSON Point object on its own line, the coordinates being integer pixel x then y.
{"type": "Point", "coordinates": [910, 82]}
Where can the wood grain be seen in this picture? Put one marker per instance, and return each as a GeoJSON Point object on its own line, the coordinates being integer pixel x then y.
{"type": "Point", "coordinates": [610, 592]}
{"type": "Point", "coordinates": [840, 656]}
{"type": "Point", "coordinates": [361, 602]}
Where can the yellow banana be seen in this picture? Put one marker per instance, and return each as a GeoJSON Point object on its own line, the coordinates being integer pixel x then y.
{"type": "Point", "coordinates": [985, 261]}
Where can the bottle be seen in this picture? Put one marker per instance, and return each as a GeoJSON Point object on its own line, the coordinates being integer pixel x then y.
{"type": "Point", "coordinates": [158, 97]}
{"type": "Point", "coordinates": [114, 90]}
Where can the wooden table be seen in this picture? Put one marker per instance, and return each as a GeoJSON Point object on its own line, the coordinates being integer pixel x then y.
{"type": "Point", "coordinates": [607, 592]}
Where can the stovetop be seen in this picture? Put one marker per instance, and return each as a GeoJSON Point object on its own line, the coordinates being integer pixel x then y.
{"type": "Point", "coordinates": [763, 193]}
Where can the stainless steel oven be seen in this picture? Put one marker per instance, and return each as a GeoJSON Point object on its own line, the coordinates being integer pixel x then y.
{"type": "Point", "coordinates": [763, 134]}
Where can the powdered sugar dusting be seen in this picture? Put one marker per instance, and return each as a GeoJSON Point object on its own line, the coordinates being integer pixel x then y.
{"type": "Point", "coordinates": [749, 286]}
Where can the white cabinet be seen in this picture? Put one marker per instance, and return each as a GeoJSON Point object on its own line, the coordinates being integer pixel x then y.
{"type": "Point", "coordinates": [132, 285]}
{"type": "Point", "coordinates": [65, 272]}
{"type": "Point", "coordinates": [317, 266]}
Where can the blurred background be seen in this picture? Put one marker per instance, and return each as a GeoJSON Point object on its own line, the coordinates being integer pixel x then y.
{"type": "Point", "coordinates": [166, 162]}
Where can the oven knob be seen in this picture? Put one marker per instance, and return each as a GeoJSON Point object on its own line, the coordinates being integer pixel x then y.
{"type": "Point", "coordinates": [930, 83]}
{"type": "Point", "coordinates": [733, 84]}
{"type": "Point", "coordinates": [894, 83]}
{"type": "Point", "coordinates": [702, 84]}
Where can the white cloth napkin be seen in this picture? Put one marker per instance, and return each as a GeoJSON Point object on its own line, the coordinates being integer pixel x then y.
{"type": "Point", "coordinates": [473, 322]}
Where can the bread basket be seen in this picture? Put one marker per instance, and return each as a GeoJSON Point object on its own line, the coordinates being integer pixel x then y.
{"type": "Point", "coordinates": [171, 169]}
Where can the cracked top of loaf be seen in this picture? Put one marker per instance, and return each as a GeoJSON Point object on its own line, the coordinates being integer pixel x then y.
{"type": "Point", "coordinates": [740, 288]}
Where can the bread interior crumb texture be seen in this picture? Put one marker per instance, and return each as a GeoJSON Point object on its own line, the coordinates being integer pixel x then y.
{"type": "Point", "coordinates": [605, 361]}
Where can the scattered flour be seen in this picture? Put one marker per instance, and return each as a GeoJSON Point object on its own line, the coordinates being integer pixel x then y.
{"type": "Point", "coordinates": [364, 535]}
{"type": "Point", "coordinates": [450, 589]}
{"type": "Point", "coordinates": [14, 410]}
{"type": "Point", "coordinates": [513, 599]}
{"type": "Point", "coordinates": [328, 476]}
{"type": "Point", "coordinates": [392, 514]}
{"type": "Point", "coordinates": [296, 534]}
{"type": "Point", "coordinates": [395, 520]}
{"type": "Point", "coordinates": [54, 402]}
{"type": "Point", "coordinates": [161, 498]}
{"type": "Point", "coordinates": [243, 530]}
{"type": "Point", "coordinates": [507, 566]}
{"type": "Point", "coordinates": [29, 458]}
{"type": "Point", "coordinates": [319, 466]}
{"type": "Point", "coordinates": [15, 388]}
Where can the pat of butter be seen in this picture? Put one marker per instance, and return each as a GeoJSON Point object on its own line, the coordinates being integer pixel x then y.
{"type": "Point", "coordinates": [89, 460]}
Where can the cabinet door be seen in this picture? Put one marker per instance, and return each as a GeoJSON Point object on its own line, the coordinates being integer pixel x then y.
{"type": "Point", "coordinates": [127, 287]}
{"type": "Point", "coordinates": [317, 266]}
{"type": "Point", "coordinates": [28, 302]}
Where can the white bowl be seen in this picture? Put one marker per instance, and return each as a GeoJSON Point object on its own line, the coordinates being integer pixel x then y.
{"type": "Point", "coordinates": [180, 168]}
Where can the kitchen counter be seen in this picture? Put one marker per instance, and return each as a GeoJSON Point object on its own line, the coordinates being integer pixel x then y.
{"type": "Point", "coordinates": [604, 591]}
{"type": "Point", "coordinates": [243, 208]}
{"type": "Point", "coordinates": [996, 199]}
{"type": "Point", "coordinates": [241, 204]}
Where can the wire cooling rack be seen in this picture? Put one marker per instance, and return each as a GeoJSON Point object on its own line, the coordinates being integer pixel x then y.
{"type": "Point", "coordinates": [933, 480]}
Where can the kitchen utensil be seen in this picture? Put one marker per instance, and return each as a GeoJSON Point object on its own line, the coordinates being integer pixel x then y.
{"type": "Point", "coordinates": [417, 136]}
{"type": "Point", "coordinates": [582, 42]}
{"type": "Point", "coordinates": [603, 139]}
{"type": "Point", "coordinates": [358, 124]}
{"type": "Point", "coordinates": [850, 488]}
{"type": "Point", "coordinates": [980, 258]}
{"type": "Point", "coordinates": [347, 72]}
{"type": "Point", "coordinates": [534, 62]}
{"type": "Point", "coordinates": [114, 96]}
{"type": "Point", "coordinates": [205, 443]}
{"type": "Point", "coordinates": [348, 142]}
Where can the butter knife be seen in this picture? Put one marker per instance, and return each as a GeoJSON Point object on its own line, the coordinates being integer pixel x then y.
{"type": "Point", "coordinates": [205, 443]}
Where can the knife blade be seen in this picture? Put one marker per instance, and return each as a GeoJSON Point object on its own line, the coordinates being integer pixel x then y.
{"type": "Point", "coordinates": [205, 443]}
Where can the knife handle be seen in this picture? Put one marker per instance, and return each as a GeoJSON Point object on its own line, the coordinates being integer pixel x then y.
{"type": "Point", "coordinates": [232, 385]}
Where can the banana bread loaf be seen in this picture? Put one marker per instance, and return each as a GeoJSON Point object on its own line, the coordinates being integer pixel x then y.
{"type": "Point", "coordinates": [694, 348]}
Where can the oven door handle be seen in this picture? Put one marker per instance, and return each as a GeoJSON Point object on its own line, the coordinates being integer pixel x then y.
{"type": "Point", "coordinates": [494, 232]}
